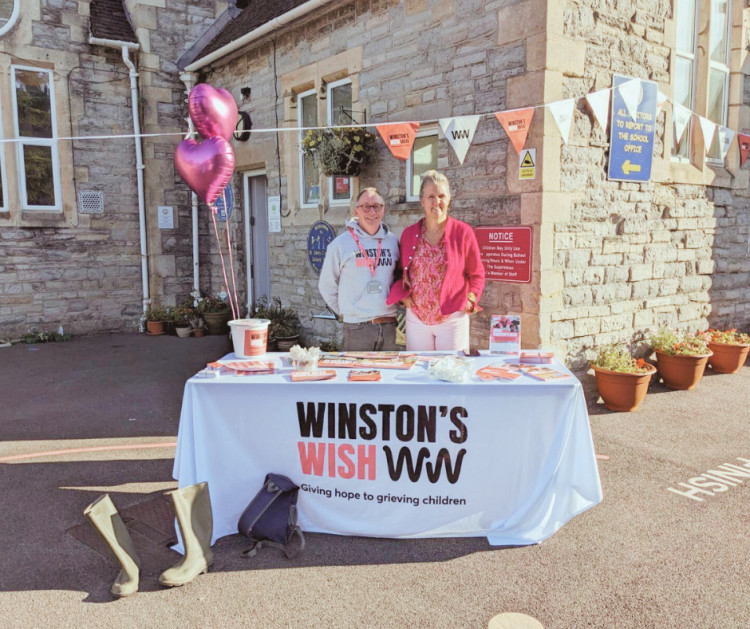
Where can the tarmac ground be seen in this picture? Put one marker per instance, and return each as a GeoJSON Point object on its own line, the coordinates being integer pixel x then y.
{"type": "Point", "coordinates": [669, 546]}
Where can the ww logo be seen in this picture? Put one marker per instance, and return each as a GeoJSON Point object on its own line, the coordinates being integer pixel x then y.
{"type": "Point", "coordinates": [460, 134]}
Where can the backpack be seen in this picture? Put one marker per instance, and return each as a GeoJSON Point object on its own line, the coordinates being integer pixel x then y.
{"type": "Point", "coordinates": [271, 518]}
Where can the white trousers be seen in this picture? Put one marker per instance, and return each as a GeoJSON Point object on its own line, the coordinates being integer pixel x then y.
{"type": "Point", "coordinates": [451, 334]}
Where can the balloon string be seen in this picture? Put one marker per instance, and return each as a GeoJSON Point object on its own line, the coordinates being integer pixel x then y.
{"type": "Point", "coordinates": [221, 257]}
{"type": "Point", "coordinates": [231, 256]}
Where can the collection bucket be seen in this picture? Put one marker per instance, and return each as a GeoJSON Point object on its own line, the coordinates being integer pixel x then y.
{"type": "Point", "coordinates": [249, 337]}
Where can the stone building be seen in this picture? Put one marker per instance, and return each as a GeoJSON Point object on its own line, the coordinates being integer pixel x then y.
{"type": "Point", "coordinates": [610, 258]}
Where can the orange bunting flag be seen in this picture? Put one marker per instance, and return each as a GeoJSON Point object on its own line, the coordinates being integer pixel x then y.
{"type": "Point", "coordinates": [516, 123]}
{"type": "Point", "coordinates": [399, 137]}
{"type": "Point", "coordinates": [744, 141]}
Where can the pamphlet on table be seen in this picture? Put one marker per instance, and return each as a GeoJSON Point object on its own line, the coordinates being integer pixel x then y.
{"type": "Point", "coordinates": [505, 334]}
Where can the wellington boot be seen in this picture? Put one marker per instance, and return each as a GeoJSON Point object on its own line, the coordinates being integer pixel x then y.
{"type": "Point", "coordinates": [192, 506]}
{"type": "Point", "coordinates": [103, 514]}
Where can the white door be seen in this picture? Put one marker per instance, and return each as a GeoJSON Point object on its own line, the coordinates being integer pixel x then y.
{"type": "Point", "coordinates": [256, 235]}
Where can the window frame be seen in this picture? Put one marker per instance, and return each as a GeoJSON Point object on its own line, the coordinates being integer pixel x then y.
{"type": "Point", "coordinates": [35, 141]}
{"type": "Point", "coordinates": [331, 181]}
{"type": "Point", "coordinates": [4, 210]}
{"type": "Point", "coordinates": [423, 131]}
{"type": "Point", "coordinates": [311, 92]}
{"type": "Point", "coordinates": [725, 69]}
{"type": "Point", "coordinates": [692, 57]}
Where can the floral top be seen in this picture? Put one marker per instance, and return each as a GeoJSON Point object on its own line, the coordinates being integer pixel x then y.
{"type": "Point", "coordinates": [426, 276]}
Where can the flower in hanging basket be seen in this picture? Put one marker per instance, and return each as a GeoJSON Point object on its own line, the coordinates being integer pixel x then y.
{"type": "Point", "coordinates": [339, 150]}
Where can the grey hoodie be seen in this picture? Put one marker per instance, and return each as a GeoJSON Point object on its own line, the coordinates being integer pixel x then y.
{"type": "Point", "coordinates": [346, 274]}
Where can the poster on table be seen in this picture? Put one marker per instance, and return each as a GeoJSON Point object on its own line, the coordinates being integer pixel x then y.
{"type": "Point", "coordinates": [505, 335]}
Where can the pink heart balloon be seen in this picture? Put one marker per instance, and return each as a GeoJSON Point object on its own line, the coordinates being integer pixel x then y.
{"type": "Point", "coordinates": [213, 111]}
{"type": "Point", "coordinates": [205, 166]}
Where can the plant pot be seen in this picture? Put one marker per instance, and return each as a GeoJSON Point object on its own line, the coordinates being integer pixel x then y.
{"type": "Point", "coordinates": [728, 358]}
{"type": "Point", "coordinates": [155, 327]}
{"type": "Point", "coordinates": [170, 328]}
{"type": "Point", "coordinates": [198, 332]}
{"type": "Point", "coordinates": [284, 344]}
{"type": "Point", "coordinates": [681, 372]}
{"type": "Point", "coordinates": [216, 322]}
{"type": "Point", "coordinates": [183, 331]}
{"type": "Point", "coordinates": [623, 391]}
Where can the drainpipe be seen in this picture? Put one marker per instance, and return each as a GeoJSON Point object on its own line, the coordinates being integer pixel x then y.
{"type": "Point", "coordinates": [125, 48]}
{"type": "Point", "coordinates": [188, 78]}
{"type": "Point", "coordinates": [134, 99]}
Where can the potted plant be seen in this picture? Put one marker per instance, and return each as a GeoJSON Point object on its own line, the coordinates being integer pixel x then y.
{"type": "Point", "coordinates": [621, 379]}
{"type": "Point", "coordinates": [343, 151]}
{"type": "Point", "coordinates": [730, 349]}
{"type": "Point", "coordinates": [155, 318]}
{"type": "Point", "coordinates": [197, 324]}
{"type": "Point", "coordinates": [283, 331]}
{"type": "Point", "coordinates": [680, 357]}
{"type": "Point", "coordinates": [181, 315]}
{"type": "Point", "coordinates": [216, 313]}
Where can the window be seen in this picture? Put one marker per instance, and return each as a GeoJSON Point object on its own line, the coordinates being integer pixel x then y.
{"type": "Point", "coordinates": [3, 189]}
{"type": "Point", "coordinates": [307, 113]}
{"type": "Point", "coordinates": [423, 157]}
{"type": "Point", "coordinates": [702, 85]}
{"type": "Point", "coordinates": [36, 127]}
{"type": "Point", "coordinates": [9, 10]}
{"type": "Point", "coordinates": [339, 94]}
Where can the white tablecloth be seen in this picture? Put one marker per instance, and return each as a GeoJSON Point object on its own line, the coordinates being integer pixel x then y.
{"type": "Point", "coordinates": [405, 457]}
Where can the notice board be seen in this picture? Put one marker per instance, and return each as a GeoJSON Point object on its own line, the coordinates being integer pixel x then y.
{"type": "Point", "coordinates": [506, 253]}
{"type": "Point", "coordinates": [631, 142]}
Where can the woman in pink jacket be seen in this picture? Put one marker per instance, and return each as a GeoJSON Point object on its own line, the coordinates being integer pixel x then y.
{"type": "Point", "coordinates": [443, 275]}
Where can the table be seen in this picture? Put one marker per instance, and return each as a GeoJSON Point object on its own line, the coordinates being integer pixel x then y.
{"type": "Point", "coordinates": [405, 457]}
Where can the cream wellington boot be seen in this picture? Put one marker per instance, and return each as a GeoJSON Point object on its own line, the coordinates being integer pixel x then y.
{"type": "Point", "coordinates": [103, 514]}
{"type": "Point", "coordinates": [192, 506]}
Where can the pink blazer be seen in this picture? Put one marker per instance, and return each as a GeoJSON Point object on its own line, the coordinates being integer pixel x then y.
{"type": "Point", "coordinates": [464, 272]}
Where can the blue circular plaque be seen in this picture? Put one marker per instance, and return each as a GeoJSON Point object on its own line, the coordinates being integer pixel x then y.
{"type": "Point", "coordinates": [320, 236]}
{"type": "Point", "coordinates": [221, 211]}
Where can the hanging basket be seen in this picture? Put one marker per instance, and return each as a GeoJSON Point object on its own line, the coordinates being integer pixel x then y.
{"type": "Point", "coordinates": [339, 151]}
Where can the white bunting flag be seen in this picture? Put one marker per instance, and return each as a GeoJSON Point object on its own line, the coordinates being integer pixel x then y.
{"type": "Point", "coordinates": [459, 133]}
{"type": "Point", "coordinates": [599, 103]}
{"type": "Point", "coordinates": [709, 129]}
{"type": "Point", "coordinates": [726, 136]}
{"type": "Point", "coordinates": [681, 117]}
{"type": "Point", "coordinates": [630, 92]}
{"type": "Point", "coordinates": [562, 112]}
{"type": "Point", "coordinates": [661, 98]}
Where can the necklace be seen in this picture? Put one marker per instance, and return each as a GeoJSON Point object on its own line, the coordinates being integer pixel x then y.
{"type": "Point", "coordinates": [434, 235]}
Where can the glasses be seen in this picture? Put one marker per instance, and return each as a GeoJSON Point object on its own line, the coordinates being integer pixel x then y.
{"type": "Point", "coordinates": [377, 207]}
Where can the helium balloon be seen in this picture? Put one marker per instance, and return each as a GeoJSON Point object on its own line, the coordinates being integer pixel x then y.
{"type": "Point", "coordinates": [213, 111]}
{"type": "Point", "coordinates": [207, 167]}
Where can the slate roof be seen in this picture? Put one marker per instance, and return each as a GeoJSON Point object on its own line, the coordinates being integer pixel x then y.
{"type": "Point", "coordinates": [109, 20]}
{"type": "Point", "coordinates": [256, 14]}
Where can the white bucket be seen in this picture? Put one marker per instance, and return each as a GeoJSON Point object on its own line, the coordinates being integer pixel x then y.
{"type": "Point", "coordinates": [249, 337]}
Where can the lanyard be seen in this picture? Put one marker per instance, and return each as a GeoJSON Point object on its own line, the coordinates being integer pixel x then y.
{"type": "Point", "coordinates": [372, 264]}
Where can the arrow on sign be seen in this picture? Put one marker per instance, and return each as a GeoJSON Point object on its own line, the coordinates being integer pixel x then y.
{"type": "Point", "coordinates": [628, 168]}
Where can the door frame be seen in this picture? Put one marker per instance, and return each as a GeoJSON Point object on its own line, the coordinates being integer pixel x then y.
{"type": "Point", "coordinates": [246, 175]}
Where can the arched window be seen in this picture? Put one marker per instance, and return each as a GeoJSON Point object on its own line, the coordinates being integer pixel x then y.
{"type": "Point", "coordinates": [9, 10]}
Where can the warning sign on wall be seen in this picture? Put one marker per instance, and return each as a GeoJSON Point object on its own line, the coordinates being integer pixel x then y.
{"type": "Point", "coordinates": [527, 164]}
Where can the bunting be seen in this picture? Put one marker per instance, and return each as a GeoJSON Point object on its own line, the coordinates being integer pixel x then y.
{"type": "Point", "coordinates": [726, 136]}
{"type": "Point", "coordinates": [681, 116]}
{"type": "Point", "coordinates": [399, 137]}
{"type": "Point", "coordinates": [516, 123]}
{"type": "Point", "coordinates": [709, 129]}
{"type": "Point", "coordinates": [630, 91]}
{"type": "Point", "coordinates": [562, 113]}
{"type": "Point", "coordinates": [661, 98]}
{"type": "Point", "coordinates": [599, 104]}
{"type": "Point", "coordinates": [459, 132]}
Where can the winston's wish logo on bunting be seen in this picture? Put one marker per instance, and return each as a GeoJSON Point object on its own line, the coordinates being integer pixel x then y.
{"type": "Point", "coordinates": [459, 132]}
{"type": "Point", "coordinates": [399, 138]}
{"type": "Point", "coordinates": [516, 123]}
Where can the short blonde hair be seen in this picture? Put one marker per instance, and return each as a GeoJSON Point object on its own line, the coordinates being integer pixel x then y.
{"type": "Point", "coordinates": [433, 176]}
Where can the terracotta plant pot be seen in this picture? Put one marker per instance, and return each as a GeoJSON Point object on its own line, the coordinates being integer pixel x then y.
{"type": "Point", "coordinates": [728, 358]}
{"type": "Point", "coordinates": [155, 327]}
{"type": "Point", "coordinates": [623, 391]}
{"type": "Point", "coordinates": [216, 322]}
{"type": "Point", "coordinates": [681, 372]}
{"type": "Point", "coordinates": [198, 332]}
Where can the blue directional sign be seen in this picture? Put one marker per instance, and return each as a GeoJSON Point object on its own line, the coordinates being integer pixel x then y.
{"type": "Point", "coordinates": [631, 142]}
{"type": "Point", "coordinates": [224, 210]}
{"type": "Point", "coordinates": [320, 236]}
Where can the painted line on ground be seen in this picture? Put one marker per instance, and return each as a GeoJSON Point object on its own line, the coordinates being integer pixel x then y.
{"type": "Point", "coordinates": [36, 455]}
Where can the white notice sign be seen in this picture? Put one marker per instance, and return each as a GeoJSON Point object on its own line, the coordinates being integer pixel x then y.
{"type": "Point", "coordinates": [166, 217]}
{"type": "Point", "coordinates": [274, 214]}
